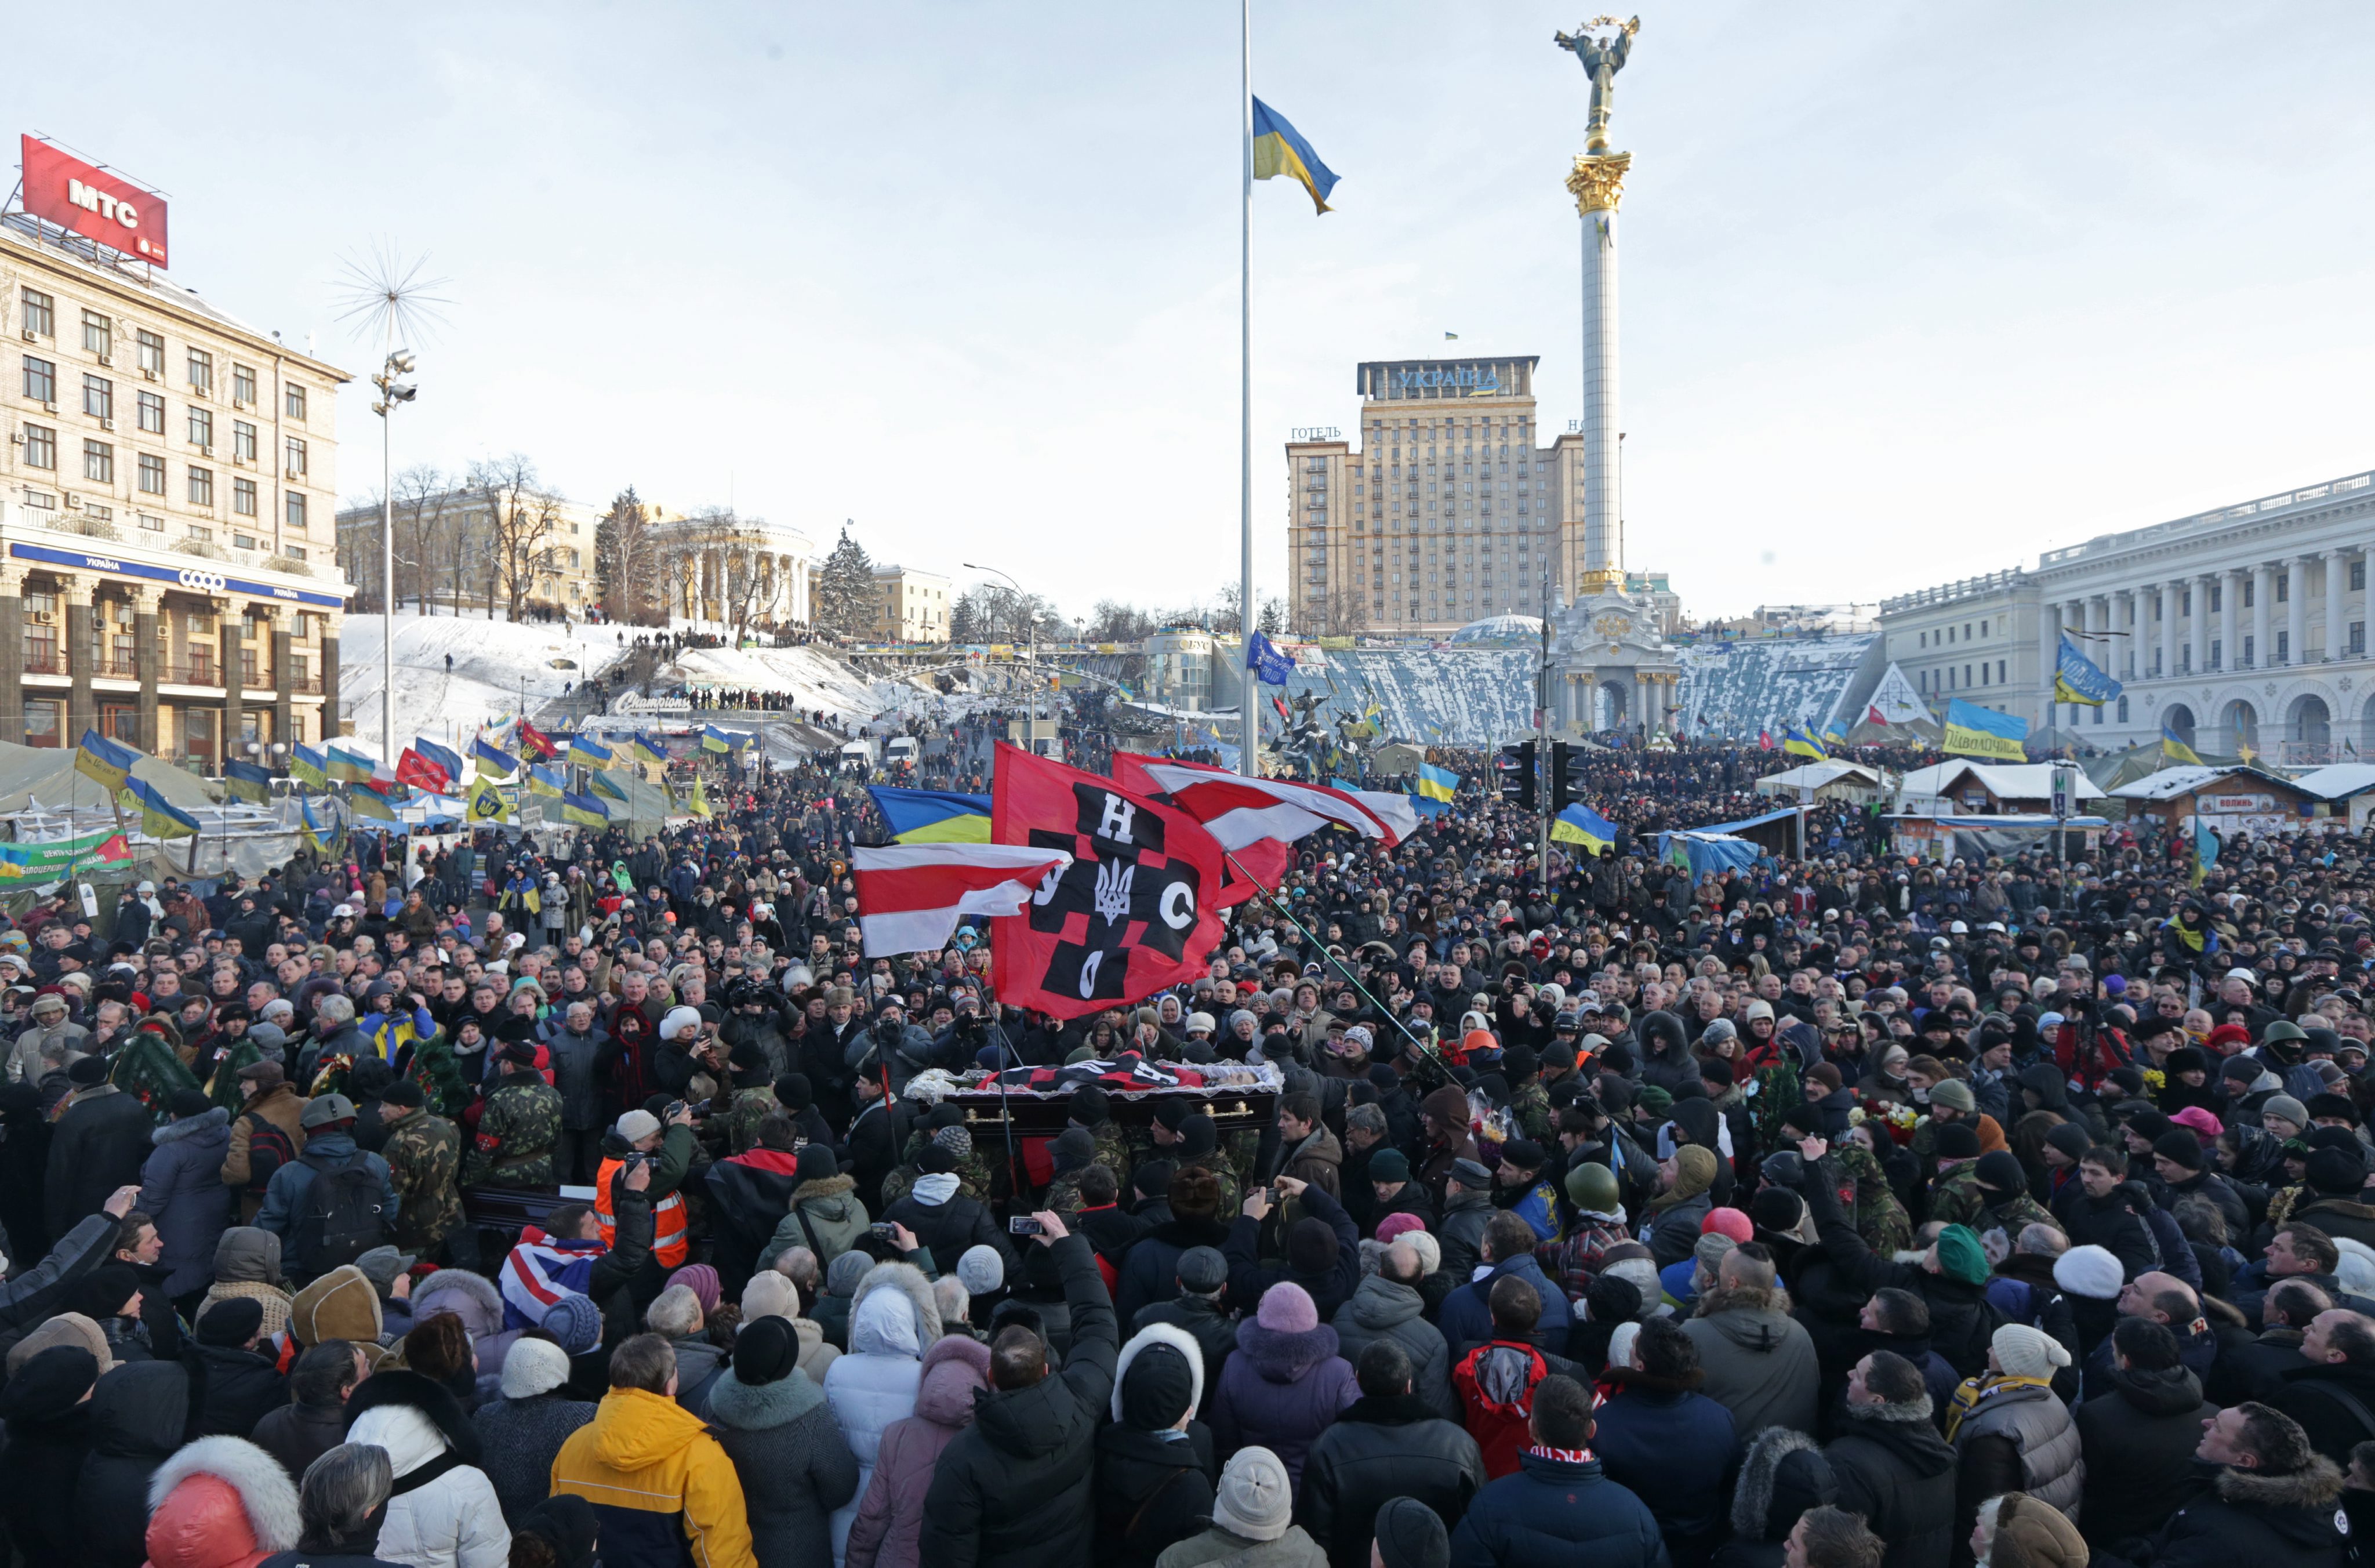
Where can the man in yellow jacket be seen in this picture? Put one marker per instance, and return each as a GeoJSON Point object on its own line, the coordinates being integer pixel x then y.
{"type": "Point", "coordinates": [665, 1491]}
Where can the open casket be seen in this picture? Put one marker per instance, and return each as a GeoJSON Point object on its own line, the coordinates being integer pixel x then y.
{"type": "Point", "coordinates": [1239, 1096]}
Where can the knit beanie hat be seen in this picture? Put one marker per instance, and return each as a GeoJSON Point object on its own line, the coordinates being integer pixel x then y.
{"type": "Point", "coordinates": [957, 1140]}
{"type": "Point", "coordinates": [232, 1321]}
{"type": "Point", "coordinates": [1656, 1100]}
{"type": "Point", "coordinates": [2000, 1172]}
{"type": "Point", "coordinates": [1073, 1150]}
{"type": "Point", "coordinates": [1410, 1536]}
{"type": "Point", "coordinates": [1726, 1223]}
{"type": "Point", "coordinates": [636, 1125]}
{"type": "Point", "coordinates": [1157, 1388]}
{"type": "Point", "coordinates": [533, 1367]}
{"type": "Point", "coordinates": [841, 1275]}
{"type": "Point", "coordinates": [1958, 1140]}
{"type": "Point", "coordinates": [1399, 1223]}
{"type": "Point", "coordinates": [1954, 1094]}
{"type": "Point", "coordinates": [2336, 1173]}
{"type": "Point", "coordinates": [1287, 1308]}
{"type": "Point", "coordinates": [981, 1270]}
{"type": "Point", "coordinates": [2072, 1139]}
{"type": "Point", "coordinates": [2090, 1271]}
{"type": "Point", "coordinates": [1710, 1248]}
{"type": "Point", "coordinates": [1311, 1246]}
{"type": "Point", "coordinates": [765, 1351]}
{"type": "Point", "coordinates": [100, 1294]}
{"type": "Point", "coordinates": [2179, 1146]}
{"type": "Point", "coordinates": [1255, 1500]}
{"type": "Point", "coordinates": [2023, 1352]}
{"type": "Point", "coordinates": [2286, 1106]}
{"type": "Point", "coordinates": [701, 1280]}
{"type": "Point", "coordinates": [1389, 1165]}
{"type": "Point", "coordinates": [1777, 1209]}
{"type": "Point", "coordinates": [770, 1294]}
{"type": "Point", "coordinates": [575, 1321]}
{"type": "Point", "coordinates": [1960, 1257]}
{"type": "Point", "coordinates": [817, 1164]}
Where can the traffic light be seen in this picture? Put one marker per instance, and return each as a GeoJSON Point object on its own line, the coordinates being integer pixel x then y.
{"type": "Point", "coordinates": [1514, 768]}
{"type": "Point", "coordinates": [1567, 768]}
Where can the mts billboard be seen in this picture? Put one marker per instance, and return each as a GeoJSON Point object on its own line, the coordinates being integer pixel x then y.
{"type": "Point", "coordinates": [93, 203]}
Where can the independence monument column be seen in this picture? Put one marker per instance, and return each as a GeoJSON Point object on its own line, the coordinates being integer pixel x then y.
{"type": "Point", "coordinates": [1598, 182]}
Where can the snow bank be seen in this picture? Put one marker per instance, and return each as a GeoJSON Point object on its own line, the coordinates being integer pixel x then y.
{"type": "Point", "coordinates": [813, 680]}
{"type": "Point", "coordinates": [494, 662]}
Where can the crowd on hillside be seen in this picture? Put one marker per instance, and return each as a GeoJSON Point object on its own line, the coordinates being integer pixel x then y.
{"type": "Point", "coordinates": [602, 1201]}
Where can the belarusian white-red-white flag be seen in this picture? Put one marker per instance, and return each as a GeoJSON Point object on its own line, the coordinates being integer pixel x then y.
{"type": "Point", "coordinates": [1238, 810]}
{"type": "Point", "coordinates": [910, 896]}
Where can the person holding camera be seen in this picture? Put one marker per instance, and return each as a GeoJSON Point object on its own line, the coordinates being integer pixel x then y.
{"type": "Point", "coordinates": [666, 1150]}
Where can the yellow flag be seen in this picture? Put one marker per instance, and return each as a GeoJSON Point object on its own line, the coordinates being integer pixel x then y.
{"type": "Point", "coordinates": [486, 804]}
{"type": "Point", "coordinates": [699, 801]}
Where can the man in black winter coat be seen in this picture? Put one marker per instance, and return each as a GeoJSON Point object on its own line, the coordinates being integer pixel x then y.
{"type": "Point", "coordinates": [1203, 1278]}
{"type": "Point", "coordinates": [97, 1144]}
{"type": "Point", "coordinates": [2251, 1369]}
{"type": "Point", "coordinates": [1892, 1466]}
{"type": "Point", "coordinates": [1017, 1488]}
{"type": "Point", "coordinates": [2333, 1396]}
{"type": "Point", "coordinates": [2274, 1500]}
{"type": "Point", "coordinates": [41, 1292]}
{"type": "Point", "coordinates": [946, 1220]}
{"type": "Point", "coordinates": [233, 1386]}
{"type": "Point", "coordinates": [1387, 1443]}
{"type": "Point", "coordinates": [2139, 1437]}
{"type": "Point", "coordinates": [1323, 1250]}
{"type": "Point", "coordinates": [2100, 1210]}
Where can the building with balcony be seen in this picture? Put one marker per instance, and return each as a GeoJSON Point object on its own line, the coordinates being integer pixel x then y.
{"type": "Point", "coordinates": [2245, 625]}
{"type": "Point", "coordinates": [167, 574]}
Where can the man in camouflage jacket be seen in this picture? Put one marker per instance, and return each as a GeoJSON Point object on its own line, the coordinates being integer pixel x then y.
{"type": "Point", "coordinates": [424, 1158]}
{"type": "Point", "coordinates": [518, 1130]}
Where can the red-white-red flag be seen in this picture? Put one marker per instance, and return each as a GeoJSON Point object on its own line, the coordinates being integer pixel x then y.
{"type": "Point", "coordinates": [910, 896]}
{"type": "Point", "coordinates": [1238, 810]}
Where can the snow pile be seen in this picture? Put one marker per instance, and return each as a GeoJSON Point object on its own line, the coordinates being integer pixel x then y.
{"type": "Point", "coordinates": [1471, 696]}
{"type": "Point", "coordinates": [1738, 688]}
{"type": "Point", "coordinates": [812, 679]}
{"type": "Point", "coordinates": [494, 662]}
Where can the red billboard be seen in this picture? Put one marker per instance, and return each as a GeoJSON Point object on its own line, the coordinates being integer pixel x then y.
{"type": "Point", "coordinates": [94, 204]}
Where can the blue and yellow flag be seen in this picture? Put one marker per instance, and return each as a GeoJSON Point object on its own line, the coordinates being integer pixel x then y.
{"type": "Point", "coordinates": [649, 749]}
{"type": "Point", "coordinates": [590, 753]}
{"type": "Point", "coordinates": [447, 760]}
{"type": "Point", "coordinates": [494, 759]}
{"type": "Point", "coordinates": [1437, 783]}
{"type": "Point", "coordinates": [1836, 733]}
{"type": "Point", "coordinates": [365, 801]}
{"type": "Point", "coordinates": [486, 804]}
{"type": "Point", "coordinates": [714, 739]}
{"type": "Point", "coordinates": [583, 810]}
{"type": "Point", "coordinates": [246, 780]}
{"type": "Point", "coordinates": [106, 761]}
{"type": "Point", "coordinates": [1974, 731]}
{"type": "Point", "coordinates": [698, 802]}
{"type": "Point", "coordinates": [310, 827]}
{"type": "Point", "coordinates": [159, 817]}
{"type": "Point", "coordinates": [546, 782]}
{"type": "Point", "coordinates": [1581, 824]}
{"type": "Point", "coordinates": [2077, 679]}
{"type": "Point", "coordinates": [931, 815]}
{"type": "Point", "coordinates": [309, 767]}
{"type": "Point", "coordinates": [350, 767]}
{"type": "Point", "coordinates": [2177, 750]}
{"type": "Point", "coordinates": [603, 784]}
{"type": "Point", "coordinates": [1797, 740]}
{"type": "Point", "coordinates": [1279, 148]}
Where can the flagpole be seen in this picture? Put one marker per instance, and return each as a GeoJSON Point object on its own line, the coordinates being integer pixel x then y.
{"type": "Point", "coordinates": [1249, 747]}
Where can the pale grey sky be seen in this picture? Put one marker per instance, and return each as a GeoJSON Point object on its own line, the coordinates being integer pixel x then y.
{"type": "Point", "coordinates": [1910, 290]}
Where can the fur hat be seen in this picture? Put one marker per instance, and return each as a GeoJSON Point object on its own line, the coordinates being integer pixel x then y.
{"type": "Point", "coordinates": [533, 1367]}
{"type": "Point", "coordinates": [1287, 1308]}
{"type": "Point", "coordinates": [2089, 1272]}
{"type": "Point", "coordinates": [575, 1321]}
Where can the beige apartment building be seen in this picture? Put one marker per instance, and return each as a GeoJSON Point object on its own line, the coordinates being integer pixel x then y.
{"type": "Point", "coordinates": [167, 568]}
{"type": "Point", "coordinates": [446, 544]}
{"type": "Point", "coordinates": [915, 606]}
{"type": "Point", "coordinates": [1446, 504]}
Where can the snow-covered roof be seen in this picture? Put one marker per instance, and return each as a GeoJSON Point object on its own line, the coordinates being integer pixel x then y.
{"type": "Point", "coordinates": [1814, 775]}
{"type": "Point", "coordinates": [2005, 780]}
{"type": "Point", "coordinates": [1501, 629]}
{"type": "Point", "coordinates": [2171, 782]}
{"type": "Point", "coordinates": [2341, 779]}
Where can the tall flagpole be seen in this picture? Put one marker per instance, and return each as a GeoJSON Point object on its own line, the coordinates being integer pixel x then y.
{"type": "Point", "coordinates": [1249, 747]}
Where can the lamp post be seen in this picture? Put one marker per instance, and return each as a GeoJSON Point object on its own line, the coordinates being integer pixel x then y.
{"type": "Point", "coordinates": [391, 393]}
{"type": "Point", "coordinates": [1031, 624]}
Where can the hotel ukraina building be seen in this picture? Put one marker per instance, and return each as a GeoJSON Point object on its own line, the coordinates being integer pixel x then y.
{"type": "Point", "coordinates": [2245, 624]}
{"type": "Point", "coordinates": [167, 564]}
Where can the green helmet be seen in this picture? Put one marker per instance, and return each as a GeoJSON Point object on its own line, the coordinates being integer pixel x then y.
{"type": "Point", "coordinates": [1592, 1186]}
{"type": "Point", "coordinates": [2282, 1028]}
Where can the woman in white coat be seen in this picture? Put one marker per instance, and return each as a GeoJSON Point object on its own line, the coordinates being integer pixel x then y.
{"type": "Point", "coordinates": [452, 1519]}
{"type": "Point", "coordinates": [892, 1321]}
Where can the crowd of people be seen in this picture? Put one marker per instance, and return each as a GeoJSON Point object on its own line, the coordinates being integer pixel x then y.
{"type": "Point", "coordinates": [598, 1200]}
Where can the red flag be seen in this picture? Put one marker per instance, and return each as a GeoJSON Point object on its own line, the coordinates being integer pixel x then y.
{"type": "Point", "coordinates": [418, 772]}
{"type": "Point", "coordinates": [1263, 862]}
{"type": "Point", "coordinates": [1136, 911]}
{"type": "Point", "coordinates": [535, 744]}
{"type": "Point", "coordinates": [1765, 738]}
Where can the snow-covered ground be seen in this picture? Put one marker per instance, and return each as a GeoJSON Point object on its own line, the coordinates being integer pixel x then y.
{"type": "Point", "coordinates": [813, 680]}
{"type": "Point", "coordinates": [496, 665]}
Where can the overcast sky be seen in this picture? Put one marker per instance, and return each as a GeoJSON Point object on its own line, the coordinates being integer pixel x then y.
{"type": "Point", "coordinates": [1910, 290]}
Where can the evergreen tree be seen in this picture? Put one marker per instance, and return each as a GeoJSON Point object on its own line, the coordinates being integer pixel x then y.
{"type": "Point", "coordinates": [845, 594]}
{"type": "Point", "coordinates": [626, 564]}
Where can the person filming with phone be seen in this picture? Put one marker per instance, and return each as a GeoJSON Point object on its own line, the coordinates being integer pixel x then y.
{"type": "Point", "coordinates": [943, 1218]}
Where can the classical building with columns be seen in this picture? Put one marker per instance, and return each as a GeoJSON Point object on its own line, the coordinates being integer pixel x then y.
{"type": "Point", "coordinates": [738, 571]}
{"type": "Point", "coordinates": [2243, 625]}
{"type": "Point", "coordinates": [167, 574]}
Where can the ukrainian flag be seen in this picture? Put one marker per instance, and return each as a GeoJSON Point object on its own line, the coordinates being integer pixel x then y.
{"type": "Point", "coordinates": [930, 816]}
{"type": "Point", "coordinates": [2175, 750]}
{"type": "Point", "coordinates": [494, 760]}
{"type": "Point", "coordinates": [106, 761]}
{"type": "Point", "coordinates": [309, 767]}
{"type": "Point", "coordinates": [544, 781]}
{"type": "Point", "coordinates": [159, 817]}
{"type": "Point", "coordinates": [1437, 783]}
{"type": "Point", "coordinates": [313, 828]}
{"type": "Point", "coordinates": [698, 802]}
{"type": "Point", "coordinates": [583, 810]}
{"type": "Point", "coordinates": [715, 740]}
{"type": "Point", "coordinates": [1799, 741]}
{"type": "Point", "coordinates": [1581, 824]}
{"type": "Point", "coordinates": [603, 784]}
{"type": "Point", "coordinates": [365, 801]}
{"type": "Point", "coordinates": [647, 750]}
{"type": "Point", "coordinates": [247, 782]}
{"type": "Point", "coordinates": [592, 753]}
{"type": "Point", "coordinates": [1279, 148]}
{"type": "Point", "coordinates": [445, 759]}
{"type": "Point", "coordinates": [350, 767]}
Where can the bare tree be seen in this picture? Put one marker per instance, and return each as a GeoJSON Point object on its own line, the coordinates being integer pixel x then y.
{"type": "Point", "coordinates": [626, 560]}
{"type": "Point", "coordinates": [521, 521]}
{"type": "Point", "coordinates": [425, 508]}
{"type": "Point", "coordinates": [358, 558]}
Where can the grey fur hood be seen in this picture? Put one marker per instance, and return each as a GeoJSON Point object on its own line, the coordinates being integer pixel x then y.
{"type": "Point", "coordinates": [1752, 1497]}
{"type": "Point", "coordinates": [883, 1332]}
{"type": "Point", "coordinates": [214, 1121]}
{"type": "Point", "coordinates": [470, 1297]}
{"type": "Point", "coordinates": [746, 1407]}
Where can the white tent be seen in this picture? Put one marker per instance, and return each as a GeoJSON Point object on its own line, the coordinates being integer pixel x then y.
{"type": "Point", "coordinates": [1829, 779]}
{"type": "Point", "coordinates": [1941, 789]}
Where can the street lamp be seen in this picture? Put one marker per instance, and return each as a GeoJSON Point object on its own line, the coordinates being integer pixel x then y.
{"type": "Point", "coordinates": [391, 393]}
{"type": "Point", "coordinates": [1031, 618]}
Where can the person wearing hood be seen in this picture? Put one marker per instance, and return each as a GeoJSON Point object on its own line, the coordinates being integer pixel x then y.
{"type": "Point", "coordinates": [46, 1409]}
{"type": "Point", "coordinates": [773, 1423]}
{"type": "Point", "coordinates": [445, 1513]}
{"type": "Point", "coordinates": [1892, 1466]}
{"type": "Point", "coordinates": [138, 1416]}
{"type": "Point", "coordinates": [342, 1506]}
{"type": "Point", "coordinates": [99, 1142]}
{"type": "Point", "coordinates": [892, 1321]}
{"type": "Point", "coordinates": [520, 1433]}
{"type": "Point", "coordinates": [1759, 1362]}
{"type": "Point", "coordinates": [314, 1419]}
{"type": "Point", "coordinates": [233, 1383]}
{"type": "Point", "coordinates": [1468, 1206]}
{"type": "Point", "coordinates": [1670, 1225]}
{"type": "Point", "coordinates": [181, 1190]}
{"type": "Point", "coordinates": [1782, 1476]}
{"type": "Point", "coordinates": [1387, 1306]}
{"type": "Point", "coordinates": [2138, 1437]}
{"type": "Point", "coordinates": [662, 1486]}
{"type": "Point", "coordinates": [220, 1503]}
{"type": "Point", "coordinates": [942, 1217]}
{"type": "Point", "coordinates": [1017, 1488]}
{"type": "Point", "coordinates": [1253, 1521]}
{"type": "Point", "coordinates": [2272, 1499]}
{"type": "Point", "coordinates": [470, 1297]}
{"type": "Point", "coordinates": [1154, 1459]}
{"type": "Point", "coordinates": [1466, 1314]}
{"type": "Point", "coordinates": [888, 1527]}
{"type": "Point", "coordinates": [1443, 1116]}
{"type": "Point", "coordinates": [1150, 1274]}
{"type": "Point", "coordinates": [1286, 1383]}
{"type": "Point", "coordinates": [247, 1265]}
{"type": "Point", "coordinates": [1390, 1442]}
